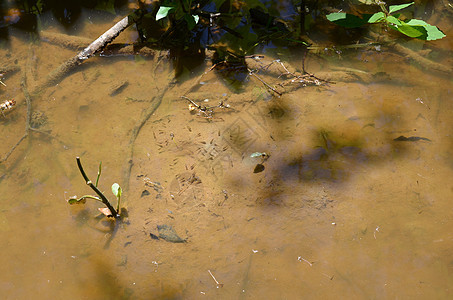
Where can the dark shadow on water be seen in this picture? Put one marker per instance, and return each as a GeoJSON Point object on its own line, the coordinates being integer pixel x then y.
{"type": "Point", "coordinates": [106, 282]}
{"type": "Point", "coordinates": [334, 161]}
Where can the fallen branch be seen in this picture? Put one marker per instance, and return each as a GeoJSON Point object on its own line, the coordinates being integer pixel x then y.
{"type": "Point", "coordinates": [57, 75]}
{"type": "Point", "coordinates": [78, 43]}
{"type": "Point", "coordinates": [251, 73]}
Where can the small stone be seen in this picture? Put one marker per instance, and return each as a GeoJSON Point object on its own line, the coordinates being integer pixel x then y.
{"type": "Point", "coordinates": [118, 87]}
{"type": "Point", "coordinates": [167, 233]}
{"type": "Point", "coordinates": [145, 193]}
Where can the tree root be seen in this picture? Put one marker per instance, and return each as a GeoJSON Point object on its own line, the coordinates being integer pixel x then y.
{"type": "Point", "coordinates": [64, 40]}
{"type": "Point", "coordinates": [60, 72]}
{"type": "Point", "coordinates": [416, 57]}
{"type": "Point", "coordinates": [155, 103]}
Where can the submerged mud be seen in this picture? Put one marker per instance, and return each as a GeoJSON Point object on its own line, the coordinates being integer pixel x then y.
{"type": "Point", "coordinates": [341, 206]}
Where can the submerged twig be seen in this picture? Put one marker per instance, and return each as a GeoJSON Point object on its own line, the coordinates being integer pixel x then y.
{"type": "Point", "coordinates": [251, 73]}
{"type": "Point", "coordinates": [207, 111]}
{"type": "Point", "coordinates": [300, 258]}
{"type": "Point", "coordinates": [219, 285]}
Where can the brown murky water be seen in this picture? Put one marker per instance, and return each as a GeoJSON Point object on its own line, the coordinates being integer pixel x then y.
{"type": "Point", "coordinates": [341, 209]}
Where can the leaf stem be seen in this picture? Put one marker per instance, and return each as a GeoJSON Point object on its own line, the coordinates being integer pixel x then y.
{"type": "Point", "coordinates": [99, 173]}
{"type": "Point", "coordinates": [118, 205]}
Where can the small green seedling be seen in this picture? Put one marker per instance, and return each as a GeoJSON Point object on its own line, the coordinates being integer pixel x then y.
{"type": "Point", "coordinates": [413, 28]}
{"type": "Point", "coordinates": [109, 211]}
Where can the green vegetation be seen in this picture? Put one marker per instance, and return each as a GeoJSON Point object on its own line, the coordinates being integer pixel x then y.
{"type": "Point", "coordinates": [109, 211]}
{"type": "Point", "coordinates": [413, 27]}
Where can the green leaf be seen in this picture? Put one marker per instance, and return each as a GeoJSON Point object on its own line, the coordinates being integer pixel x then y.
{"type": "Point", "coordinates": [377, 17]}
{"type": "Point", "coordinates": [394, 8]}
{"type": "Point", "coordinates": [76, 200]}
{"type": "Point", "coordinates": [163, 12]}
{"type": "Point", "coordinates": [116, 190]}
{"type": "Point", "coordinates": [346, 20]}
{"type": "Point", "coordinates": [432, 32]}
{"type": "Point", "coordinates": [191, 21]}
{"type": "Point", "coordinates": [411, 31]}
{"type": "Point", "coordinates": [393, 20]}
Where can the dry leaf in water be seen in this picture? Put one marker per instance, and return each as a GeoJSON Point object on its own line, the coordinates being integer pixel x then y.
{"type": "Point", "coordinates": [105, 211]}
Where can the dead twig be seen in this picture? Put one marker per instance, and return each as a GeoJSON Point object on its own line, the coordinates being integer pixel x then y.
{"type": "Point", "coordinates": [251, 73]}
{"type": "Point", "coordinates": [219, 285]}
{"type": "Point", "coordinates": [300, 258]}
{"type": "Point", "coordinates": [206, 111]}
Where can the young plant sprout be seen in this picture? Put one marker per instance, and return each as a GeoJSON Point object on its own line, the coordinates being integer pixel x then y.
{"type": "Point", "coordinates": [109, 211]}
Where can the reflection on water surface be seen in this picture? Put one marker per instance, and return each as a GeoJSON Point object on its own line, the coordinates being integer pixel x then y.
{"type": "Point", "coordinates": [342, 207]}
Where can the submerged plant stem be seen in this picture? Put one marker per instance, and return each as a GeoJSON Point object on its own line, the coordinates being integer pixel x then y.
{"type": "Point", "coordinates": [96, 190]}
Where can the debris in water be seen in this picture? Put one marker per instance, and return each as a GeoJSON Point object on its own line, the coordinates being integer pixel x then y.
{"type": "Point", "coordinates": [300, 258]}
{"type": "Point", "coordinates": [117, 87]}
{"type": "Point", "coordinates": [258, 168]}
{"type": "Point", "coordinates": [219, 285]}
{"type": "Point", "coordinates": [402, 138]}
{"type": "Point", "coordinates": [153, 236]}
{"type": "Point", "coordinates": [376, 230]}
{"type": "Point", "coordinates": [167, 233]}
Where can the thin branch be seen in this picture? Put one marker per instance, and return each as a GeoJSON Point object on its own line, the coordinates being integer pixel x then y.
{"type": "Point", "coordinates": [14, 147]}
{"type": "Point", "coordinates": [155, 103]}
{"type": "Point", "coordinates": [264, 82]}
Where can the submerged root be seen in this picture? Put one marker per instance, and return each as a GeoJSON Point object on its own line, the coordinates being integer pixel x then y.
{"type": "Point", "coordinates": [414, 56]}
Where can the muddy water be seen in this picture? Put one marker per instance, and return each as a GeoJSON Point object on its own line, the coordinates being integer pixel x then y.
{"type": "Point", "coordinates": [340, 209]}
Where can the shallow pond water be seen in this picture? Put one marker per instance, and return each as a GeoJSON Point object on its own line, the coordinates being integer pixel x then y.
{"type": "Point", "coordinates": [353, 198]}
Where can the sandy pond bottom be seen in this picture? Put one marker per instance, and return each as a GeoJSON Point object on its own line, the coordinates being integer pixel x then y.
{"type": "Point", "coordinates": [341, 209]}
